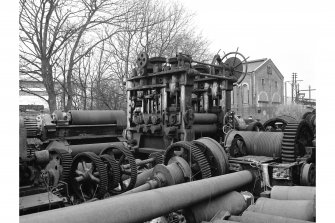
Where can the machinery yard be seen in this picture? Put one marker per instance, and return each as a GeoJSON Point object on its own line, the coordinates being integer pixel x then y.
{"type": "Point", "coordinates": [178, 154]}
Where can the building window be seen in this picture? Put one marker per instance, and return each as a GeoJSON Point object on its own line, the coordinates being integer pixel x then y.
{"type": "Point", "coordinates": [276, 85]}
{"type": "Point", "coordinates": [263, 82]}
{"type": "Point", "coordinates": [269, 69]}
{"type": "Point", "coordinates": [245, 94]}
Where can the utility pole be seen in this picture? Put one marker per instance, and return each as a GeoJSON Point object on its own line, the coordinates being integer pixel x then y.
{"type": "Point", "coordinates": [294, 78]}
{"type": "Point", "coordinates": [309, 92]}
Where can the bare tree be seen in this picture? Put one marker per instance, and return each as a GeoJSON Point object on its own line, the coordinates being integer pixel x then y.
{"type": "Point", "coordinates": [87, 48]}
{"type": "Point", "coordinates": [44, 30]}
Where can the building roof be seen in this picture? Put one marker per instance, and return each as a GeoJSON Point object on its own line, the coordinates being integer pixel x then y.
{"type": "Point", "coordinates": [253, 65]}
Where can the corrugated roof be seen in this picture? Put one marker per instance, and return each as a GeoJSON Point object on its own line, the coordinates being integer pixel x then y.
{"type": "Point", "coordinates": [254, 64]}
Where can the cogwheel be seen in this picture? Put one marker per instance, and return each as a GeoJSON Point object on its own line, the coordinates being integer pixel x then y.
{"type": "Point", "coordinates": [89, 176]}
{"type": "Point", "coordinates": [296, 137]}
{"type": "Point", "coordinates": [184, 149]}
{"type": "Point", "coordinates": [113, 168]}
{"type": "Point", "coordinates": [126, 157]}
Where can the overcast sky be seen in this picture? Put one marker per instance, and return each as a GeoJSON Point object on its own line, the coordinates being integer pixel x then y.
{"type": "Point", "coordinates": [285, 31]}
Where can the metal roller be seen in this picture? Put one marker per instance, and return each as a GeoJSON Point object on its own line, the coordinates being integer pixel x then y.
{"type": "Point", "coordinates": [297, 209]}
{"type": "Point", "coordinates": [233, 202]}
{"type": "Point", "coordinates": [204, 130]}
{"type": "Point", "coordinates": [129, 208]}
{"type": "Point", "coordinates": [229, 138]}
{"type": "Point", "coordinates": [95, 148]}
{"type": "Point", "coordinates": [293, 193]}
{"type": "Point", "coordinates": [205, 118]}
{"type": "Point", "coordinates": [262, 143]}
{"type": "Point", "coordinates": [76, 149]}
{"type": "Point", "coordinates": [143, 177]}
{"type": "Point", "coordinates": [23, 139]}
{"type": "Point", "coordinates": [253, 217]}
{"type": "Point", "coordinates": [96, 117]}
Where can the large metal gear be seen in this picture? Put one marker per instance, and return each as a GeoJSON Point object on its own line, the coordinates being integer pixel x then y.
{"type": "Point", "coordinates": [89, 176]}
{"type": "Point", "coordinates": [216, 156]}
{"type": "Point", "coordinates": [278, 123]}
{"type": "Point", "coordinates": [113, 171]}
{"type": "Point", "coordinates": [124, 157]}
{"type": "Point", "coordinates": [64, 159]}
{"type": "Point", "coordinates": [193, 155]}
{"type": "Point", "coordinates": [296, 137]}
{"type": "Point", "coordinates": [30, 124]}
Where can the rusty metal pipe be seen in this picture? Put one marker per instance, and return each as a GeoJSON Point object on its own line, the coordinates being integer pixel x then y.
{"type": "Point", "coordinates": [205, 130]}
{"type": "Point", "coordinates": [293, 193]}
{"type": "Point", "coordinates": [143, 177]}
{"type": "Point", "coordinates": [298, 209]}
{"type": "Point", "coordinates": [205, 118]}
{"type": "Point", "coordinates": [149, 185]}
{"type": "Point", "coordinates": [233, 202]}
{"type": "Point", "coordinates": [95, 117]}
{"type": "Point", "coordinates": [259, 143]}
{"type": "Point", "coordinates": [129, 208]}
{"type": "Point", "coordinates": [139, 163]}
{"type": "Point", "coordinates": [253, 217]}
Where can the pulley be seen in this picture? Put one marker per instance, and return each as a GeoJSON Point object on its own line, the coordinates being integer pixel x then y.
{"type": "Point", "coordinates": [142, 60]}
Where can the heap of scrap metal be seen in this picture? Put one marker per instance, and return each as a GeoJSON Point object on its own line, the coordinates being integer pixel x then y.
{"type": "Point", "coordinates": [180, 156]}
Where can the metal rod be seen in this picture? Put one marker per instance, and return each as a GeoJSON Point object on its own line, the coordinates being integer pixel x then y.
{"type": "Point", "coordinates": [139, 163]}
{"type": "Point", "coordinates": [208, 64]}
{"type": "Point", "coordinates": [195, 72]}
{"type": "Point", "coordinates": [130, 208]}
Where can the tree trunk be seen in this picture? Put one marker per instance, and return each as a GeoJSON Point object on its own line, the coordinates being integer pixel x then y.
{"type": "Point", "coordinates": [49, 84]}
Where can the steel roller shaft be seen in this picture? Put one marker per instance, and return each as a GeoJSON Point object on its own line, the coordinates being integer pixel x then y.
{"type": "Point", "coordinates": [96, 117]}
{"type": "Point", "coordinates": [130, 208]}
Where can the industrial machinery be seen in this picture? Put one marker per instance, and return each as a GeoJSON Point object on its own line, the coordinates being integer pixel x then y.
{"type": "Point", "coordinates": [179, 99]}
{"type": "Point", "coordinates": [179, 133]}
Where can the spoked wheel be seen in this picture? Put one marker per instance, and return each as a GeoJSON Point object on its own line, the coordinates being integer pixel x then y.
{"type": "Point", "coordinates": [192, 154]}
{"type": "Point", "coordinates": [142, 60]}
{"type": "Point", "coordinates": [127, 167]}
{"type": "Point", "coordinates": [89, 176]}
{"type": "Point", "coordinates": [234, 65]}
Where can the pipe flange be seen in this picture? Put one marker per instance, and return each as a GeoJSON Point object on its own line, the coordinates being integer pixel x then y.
{"type": "Point", "coordinates": [307, 174]}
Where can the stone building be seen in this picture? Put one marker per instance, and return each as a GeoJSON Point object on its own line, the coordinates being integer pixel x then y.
{"type": "Point", "coordinates": [261, 91]}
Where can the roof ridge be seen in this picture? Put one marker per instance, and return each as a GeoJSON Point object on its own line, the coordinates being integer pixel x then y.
{"type": "Point", "coordinates": [256, 60]}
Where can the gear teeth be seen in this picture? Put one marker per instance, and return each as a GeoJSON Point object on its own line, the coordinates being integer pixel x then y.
{"type": "Point", "coordinates": [288, 144]}
{"type": "Point", "coordinates": [196, 154]}
{"type": "Point", "coordinates": [66, 162]}
{"type": "Point", "coordinates": [113, 170]}
{"type": "Point", "coordinates": [133, 167]}
{"type": "Point", "coordinates": [31, 126]}
{"type": "Point", "coordinates": [103, 176]}
{"type": "Point", "coordinates": [159, 158]}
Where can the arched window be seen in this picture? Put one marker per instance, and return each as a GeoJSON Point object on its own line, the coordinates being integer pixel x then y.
{"type": "Point", "coordinates": [245, 94]}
